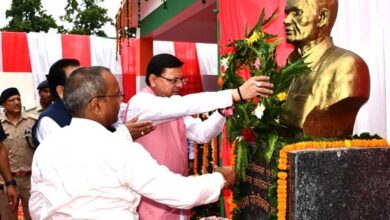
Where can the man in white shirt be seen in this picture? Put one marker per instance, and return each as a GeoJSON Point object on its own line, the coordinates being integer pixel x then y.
{"type": "Point", "coordinates": [56, 116]}
{"type": "Point", "coordinates": [109, 184]}
{"type": "Point", "coordinates": [160, 101]}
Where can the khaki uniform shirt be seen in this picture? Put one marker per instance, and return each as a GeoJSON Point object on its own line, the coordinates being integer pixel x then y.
{"type": "Point", "coordinates": [18, 142]}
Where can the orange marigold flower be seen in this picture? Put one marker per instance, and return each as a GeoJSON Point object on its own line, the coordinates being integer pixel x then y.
{"type": "Point", "coordinates": [220, 81]}
{"type": "Point", "coordinates": [282, 175]}
{"type": "Point", "coordinates": [282, 166]}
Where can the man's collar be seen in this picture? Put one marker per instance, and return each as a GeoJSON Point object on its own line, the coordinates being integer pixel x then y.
{"type": "Point", "coordinates": [148, 89]}
{"type": "Point", "coordinates": [5, 118]}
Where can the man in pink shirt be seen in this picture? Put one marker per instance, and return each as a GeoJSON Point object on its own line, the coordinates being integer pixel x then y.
{"type": "Point", "coordinates": [167, 143]}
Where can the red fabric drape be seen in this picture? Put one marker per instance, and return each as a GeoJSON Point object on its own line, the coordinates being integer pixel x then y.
{"type": "Point", "coordinates": [233, 17]}
{"type": "Point", "coordinates": [16, 57]}
{"type": "Point", "coordinates": [77, 47]}
{"type": "Point", "coordinates": [129, 64]}
{"type": "Point", "coordinates": [186, 52]}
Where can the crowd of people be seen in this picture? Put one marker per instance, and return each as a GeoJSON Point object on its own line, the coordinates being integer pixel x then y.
{"type": "Point", "coordinates": [67, 160]}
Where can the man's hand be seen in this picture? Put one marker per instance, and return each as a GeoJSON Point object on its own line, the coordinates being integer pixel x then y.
{"type": "Point", "coordinates": [255, 86]}
{"type": "Point", "coordinates": [229, 174]}
{"type": "Point", "coordinates": [12, 198]}
{"type": "Point", "coordinates": [138, 129]}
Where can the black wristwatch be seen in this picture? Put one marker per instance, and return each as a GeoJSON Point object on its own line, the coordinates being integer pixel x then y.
{"type": "Point", "coordinates": [10, 182]}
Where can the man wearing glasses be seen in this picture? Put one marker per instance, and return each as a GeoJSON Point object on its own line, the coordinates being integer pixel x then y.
{"type": "Point", "coordinates": [56, 116]}
{"type": "Point", "coordinates": [160, 102]}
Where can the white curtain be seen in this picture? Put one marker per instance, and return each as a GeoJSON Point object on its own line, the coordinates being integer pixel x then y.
{"type": "Point", "coordinates": [363, 27]}
{"type": "Point", "coordinates": [103, 53]}
{"type": "Point", "coordinates": [163, 47]}
{"type": "Point", "coordinates": [44, 49]}
{"type": "Point", "coordinates": [208, 58]}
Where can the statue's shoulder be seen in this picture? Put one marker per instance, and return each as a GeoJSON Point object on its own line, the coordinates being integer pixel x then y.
{"type": "Point", "coordinates": [347, 60]}
{"type": "Point", "coordinates": [345, 55]}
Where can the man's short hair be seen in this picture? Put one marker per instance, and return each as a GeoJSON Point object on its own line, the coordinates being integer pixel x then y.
{"type": "Point", "coordinates": [82, 86]}
{"type": "Point", "coordinates": [159, 62]}
{"type": "Point", "coordinates": [57, 76]}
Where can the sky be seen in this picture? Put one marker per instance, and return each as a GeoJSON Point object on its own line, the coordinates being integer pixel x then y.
{"type": "Point", "coordinates": [56, 8]}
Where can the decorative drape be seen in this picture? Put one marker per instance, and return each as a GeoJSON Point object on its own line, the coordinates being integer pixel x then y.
{"type": "Point", "coordinates": [186, 52]}
{"type": "Point", "coordinates": [128, 63]}
{"type": "Point", "coordinates": [15, 54]}
{"type": "Point", "coordinates": [363, 27]}
{"type": "Point", "coordinates": [34, 53]}
{"type": "Point", "coordinates": [44, 49]}
{"type": "Point", "coordinates": [234, 16]}
{"type": "Point", "coordinates": [163, 47]}
{"type": "Point", "coordinates": [208, 58]}
{"type": "Point", "coordinates": [78, 47]}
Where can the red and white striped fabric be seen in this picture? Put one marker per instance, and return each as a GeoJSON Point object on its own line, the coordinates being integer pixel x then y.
{"type": "Point", "coordinates": [32, 54]}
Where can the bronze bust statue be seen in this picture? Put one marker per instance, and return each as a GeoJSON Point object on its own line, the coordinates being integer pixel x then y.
{"type": "Point", "coordinates": [325, 102]}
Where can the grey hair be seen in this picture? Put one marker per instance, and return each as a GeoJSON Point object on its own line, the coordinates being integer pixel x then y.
{"type": "Point", "coordinates": [82, 86]}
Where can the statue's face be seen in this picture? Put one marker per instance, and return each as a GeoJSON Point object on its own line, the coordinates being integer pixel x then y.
{"type": "Point", "coordinates": [301, 21]}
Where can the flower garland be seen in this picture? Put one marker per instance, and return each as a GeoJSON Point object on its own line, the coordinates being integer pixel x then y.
{"type": "Point", "coordinates": [283, 164]}
{"type": "Point", "coordinates": [195, 165]}
{"type": "Point", "coordinates": [124, 24]}
{"type": "Point", "coordinates": [255, 122]}
{"type": "Point", "coordinates": [204, 153]}
{"type": "Point", "coordinates": [214, 146]}
{"type": "Point", "coordinates": [205, 163]}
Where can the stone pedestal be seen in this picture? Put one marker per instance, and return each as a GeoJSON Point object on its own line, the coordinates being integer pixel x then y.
{"type": "Point", "coordinates": [255, 203]}
{"type": "Point", "coordinates": [343, 183]}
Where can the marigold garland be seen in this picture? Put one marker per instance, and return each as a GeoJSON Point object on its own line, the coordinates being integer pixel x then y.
{"type": "Point", "coordinates": [205, 163]}
{"type": "Point", "coordinates": [283, 164]}
{"type": "Point", "coordinates": [195, 165]}
{"type": "Point", "coordinates": [214, 145]}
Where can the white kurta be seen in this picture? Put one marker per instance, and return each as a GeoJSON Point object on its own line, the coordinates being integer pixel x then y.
{"type": "Point", "coordinates": [47, 126]}
{"type": "Point", "coordinates": [161, 109]}
{"type": "Point", "coordinates": [87, 172]}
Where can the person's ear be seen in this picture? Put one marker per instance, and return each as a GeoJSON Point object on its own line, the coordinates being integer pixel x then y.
{"type": "Point", "coordinates": [152, 80]}
{"type": "Point", "coordinates": [324, 17]}
{"type": "Point", "coordinates": [95, 106]}
{"type": "Point", "coordinates": [60, 91]}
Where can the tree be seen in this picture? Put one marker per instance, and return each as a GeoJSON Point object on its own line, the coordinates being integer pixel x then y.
{"type": "Point", "coordinates": [27, 16]}
{"type": "Point", "coordinates": [87, 18]}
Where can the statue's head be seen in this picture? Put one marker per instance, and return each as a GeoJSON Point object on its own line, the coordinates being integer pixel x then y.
{"type": "Point", "coordinates": [307, 20]}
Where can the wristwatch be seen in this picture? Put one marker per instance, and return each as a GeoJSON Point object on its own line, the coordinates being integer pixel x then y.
{"type": "Point", "coordinates": [10, 182]}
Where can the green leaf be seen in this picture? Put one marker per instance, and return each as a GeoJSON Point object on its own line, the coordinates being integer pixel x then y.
{"type": "Point", "coordinates": [241, 160]}
{"type": "Point", "coordinates": [272, 139]}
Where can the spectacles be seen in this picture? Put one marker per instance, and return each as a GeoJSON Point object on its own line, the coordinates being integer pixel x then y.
{"type": "Point", "coordinates": [118, 95]}
{"type": "Point", "coordinates": [176, 81]}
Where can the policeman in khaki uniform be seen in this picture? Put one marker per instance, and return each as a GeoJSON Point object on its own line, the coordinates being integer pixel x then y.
{"type": "Point", "coordinates": [18, 143]}
{"type": "Point", "coordinates": [45, 99]}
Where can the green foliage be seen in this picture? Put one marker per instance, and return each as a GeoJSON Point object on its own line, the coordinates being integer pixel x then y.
{"type": "Point", "coordinates": [256, 125]}
{"type": "Point", "coordinates": [87, 18]}
{"type": "Point", "coordinates": [28, 16]}
{"type": "Point", "coordinates": [257, 120]}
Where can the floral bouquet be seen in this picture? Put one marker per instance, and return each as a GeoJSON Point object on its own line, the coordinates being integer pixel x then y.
{"type": "Point", "coordinates": [254, 128]}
